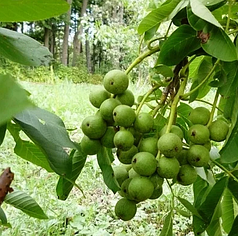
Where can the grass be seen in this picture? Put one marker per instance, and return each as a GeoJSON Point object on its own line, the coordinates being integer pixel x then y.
{"type": "Point", "coordinates": [93, 215]}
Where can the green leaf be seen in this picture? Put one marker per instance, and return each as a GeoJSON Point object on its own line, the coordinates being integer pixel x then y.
{"type": "Point", "coordinates": [27, 150]}
{"type": "Point", "coordinates": [183, 111]}
{"type": "Point", "coordinates": [48, 124]}
{"type": "Point", "coordinates": [183, 213]}
{"type": "Point", "coordinates": [31, 10]}
{"type": "Point", "coordinates": [233, 186]}
{"type": "Point", "coordinates": [228, 152]}
{"type": "Point", "coordinates": [22, 49]}
{"type": "Point", "coordinates": [214, 228]}
{"type": "Point", "coordinates": [189, 206]}
{"type": "Point", "coordinates": [203, 70]}
{"type": "Point", "coordinates": [208, 207]}
{"type": "Point", "coordinates": [156, 16]}
{"type": "Point", "coordinates": [199, 226]}
{"type": "Point", "coordinates": [194, 66]}
{"type": "Point", "coordinates": [13, 98]}
{"type": "Point", "coordinates": [159, 122]}
{"type": "Point", "coordinates": [166, 71]}
{"type": "Point", "coordinates": [180, 17]}
{"type": "Point", "coordinates": [25, 203]}
{"type": "Point", "coordinates": [167, 229]}
{"type": "Point", "coordinates": [30, 152]}
{"type": "Point", "coordinates": [180, 44]}
{"type": "Point", "coordinates": [194, 95]}
{"type": "Point", "coordinates": [228, 215]}
{"type": "Point", "coordinates": [64, 187]}
{"type": "Point", "coordinates": [48, 132]}
{"type": "Point", "coordinates": [3, 217]}
{"type": "Point", "coordinates": [200, 189]}
{"type": "Point", "coordinates": [230, 85]}
{"type": "Point", "coordinates": [203, 12]}
{"type": "Point", "coordinates": [234, 228]}
{"type": "Point", "coordinates": [219, 45]}
{"type": "Point", "coordinates": [229, 106]}
{"type": "Point", "coordinates": [3, 128]}
{"type": "Point", "coordinates": [104, 163]}
{"type": "Point", "coordinates": [149, 34]}
{"type": "Point", "coordinates": [196, 22]}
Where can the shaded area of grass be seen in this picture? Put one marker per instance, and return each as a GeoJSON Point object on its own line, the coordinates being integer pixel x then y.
{"type": "Point", "coordinates": [93, 215]}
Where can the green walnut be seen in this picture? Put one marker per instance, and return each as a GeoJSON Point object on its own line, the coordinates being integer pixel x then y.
{"type": "Point", "coordinates": [170, 144]}
{"type": "Point", "coordinates": [187, 175]}
{"type": "Point", "coordinates": [124, 115]}
{"type": "Point", "coordinates": [198, 134]}
{"type": "Point", "coordinates": [140, 188]}
{"type": "Point", "coordinates": [199, 115]}
{"type": "Point", "coordinates": [116, 81]}
{"type": "Point", "coordinates": [198, 156]}
{"type": "Point", "coordinates": [98, 96]}
{"type": "Point", "coordinates": [123, 140]}
{"type": "Point", "coordinates": [126, 98]}
{"type": "Point", "coordinates": [149, 145]}
{"type": "Point", "coordinates": [168, 168]}
{"type": "Point", "coordinates": [218, 130]}
{"type": "Point", "coordinates": [94, 126]}
{"type": "Point", "coordinates": [144, 122]}
{"type": "Point", "coordinates": [125, 209]}
{"type": "Point", "coordinates": [125, 157]}
{"type": "Point", "coordinates": [106, 109]}
{"type": "Point", "coordinates": [144, 163]}
{"type": "Point", "coordinates": [90, 146]}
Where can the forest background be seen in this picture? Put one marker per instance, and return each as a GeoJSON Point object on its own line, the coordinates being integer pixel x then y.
{"type": "Point", "coordinates": [90, 39]}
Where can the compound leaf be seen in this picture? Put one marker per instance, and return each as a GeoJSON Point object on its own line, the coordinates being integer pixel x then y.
{"type": "Point", "coordinates": [203, 12]}
{"type": "Point", "coordinates": [228, 152]}
{"type": "Point", "coordinates": [25, 203]}
{"type": "Point", "coordinates": [189, 206]}
{"type": "Point", "coordinates": [208, 207]}
{"type": "Point", "coordinates": [3, 128]}
{"type": "Point", "coordinates": [230, 85]}
{"type": "Point", "coordinates": [104, 162]}
{"type": "Point", "coordinates": [22, 49]}
{"type": "Point", "coordinates": [234, 228]}
{"type": "Point", "coordinates": [180, 44]}
{"type": "Point", "coordinates": [233, 186]}
{"type": "Point", "coordinates": [219, 45]}
{"type": "Point", "coordinates": [167, 229]}
{"type": "Point", "coordinates": [48, 132]}
{"type": "Point", "coordinates": [228, 215]}
{"type": "Point", "coordinates": [13, 98]}
{"type": "Point", "coordinates": [31, 10]}
{"type": "Point", "coordinates": [3, 217]}
{"type": "Point", "coordinates": [64, 187]}
{"type": "Point", "coordinates": [157, 15]}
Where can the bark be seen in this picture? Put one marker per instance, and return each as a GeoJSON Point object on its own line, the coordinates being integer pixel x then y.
{"type": "Point", "coordinates": [65, 44]}
{"type": "Point", "coordinates": [77, 44]}
{"type": "Point", "coordinates": [47, 37]}
{"type": "Point", "coordinates": [52, 46]}
{"type": "Point", "coordinates": [88, 56]}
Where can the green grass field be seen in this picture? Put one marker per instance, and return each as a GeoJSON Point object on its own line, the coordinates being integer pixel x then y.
{"type": "Point", "coordinates": [93, 215]}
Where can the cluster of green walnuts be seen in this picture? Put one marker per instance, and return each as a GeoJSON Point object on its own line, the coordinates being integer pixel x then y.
{"type": "Point", "coordinates": [147, 156]}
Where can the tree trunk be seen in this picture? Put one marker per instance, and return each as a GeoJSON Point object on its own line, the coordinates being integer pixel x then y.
{"type": "Point", "coordinates": [52, 40]}
{"type": "Point", "coordinates": [77, 44]}
{"type": "Point", "coordinates": [47, 33]}
{"type": "Point", "coordinates": [88, 56]}
{"type": "Point", "coordinates": [65, 45]}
